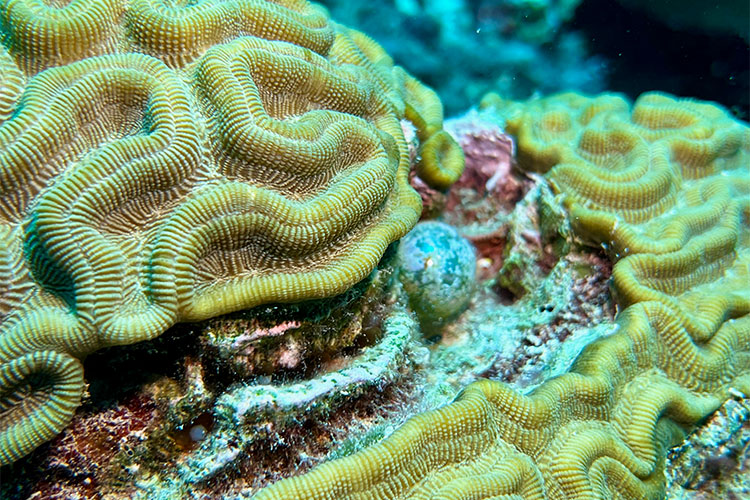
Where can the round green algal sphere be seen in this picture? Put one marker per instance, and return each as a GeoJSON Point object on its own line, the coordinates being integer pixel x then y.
{"type": "Point", "coordinates": [437, 270]}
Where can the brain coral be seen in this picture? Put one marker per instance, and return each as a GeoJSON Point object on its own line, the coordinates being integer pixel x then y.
{"type": "Point", "coordinates": [165, 162]}
{"type": "Point", "coordinates": [664, 186]}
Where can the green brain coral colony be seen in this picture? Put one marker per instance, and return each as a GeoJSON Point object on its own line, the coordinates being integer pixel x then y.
{"type": "Point", "coordinates": [158, 164]}
{"type": "Point", "coordinates": [663, 185]}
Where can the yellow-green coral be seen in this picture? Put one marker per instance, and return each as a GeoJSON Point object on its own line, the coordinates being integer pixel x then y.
{"type": "Point", "coordinates": [163, 162]}
{"type": "Point", "coordinates": [441, 162]}
{"type": "Point", "coordinates": [664, 187]}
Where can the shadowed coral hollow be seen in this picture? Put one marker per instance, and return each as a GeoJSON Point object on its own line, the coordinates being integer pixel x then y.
{"type": "Point", "coordinates": [159, 165]}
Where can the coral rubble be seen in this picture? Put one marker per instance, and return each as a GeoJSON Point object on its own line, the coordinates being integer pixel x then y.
{"type": "Point", "coordinates": [713, 461]}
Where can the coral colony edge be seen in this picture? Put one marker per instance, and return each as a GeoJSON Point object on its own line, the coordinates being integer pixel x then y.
{"type": "Point", "coordinates": [236, 187]}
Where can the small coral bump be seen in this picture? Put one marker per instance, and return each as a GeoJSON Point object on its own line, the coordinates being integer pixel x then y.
{"type": "Point", "coordinates": [441, 162]}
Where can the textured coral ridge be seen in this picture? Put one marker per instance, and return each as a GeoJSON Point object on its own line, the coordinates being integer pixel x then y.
{"type": "Point", "coordinates": [664, 186]}
{"type": "Point", "coordinates": [174, 162]}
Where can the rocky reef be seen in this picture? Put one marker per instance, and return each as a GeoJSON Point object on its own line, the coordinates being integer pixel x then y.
{"type": "Point", "coordinates": [465, 48]}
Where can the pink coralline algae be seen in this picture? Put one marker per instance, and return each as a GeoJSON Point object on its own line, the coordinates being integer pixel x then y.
{"type": "Point", "coordinates": [482, 199]}
{"type": "Point", "coordinates": [489, 154]}
{"type": "Point", "coordinates": [488, 185]}
{"type": "Point", "coordinates": [96, 454]}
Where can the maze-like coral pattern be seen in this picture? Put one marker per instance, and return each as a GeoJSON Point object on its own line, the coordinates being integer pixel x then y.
{"type": "Point", "coordinates": [167, 161]}
{"type": "Point", "coordinates": [664, 186]}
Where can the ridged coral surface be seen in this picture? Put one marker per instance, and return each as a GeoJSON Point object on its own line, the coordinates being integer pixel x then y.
{"type": "Point", "coordinates": [165, 162]}
{"type": "Point", "coordinates": [663, 186]}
